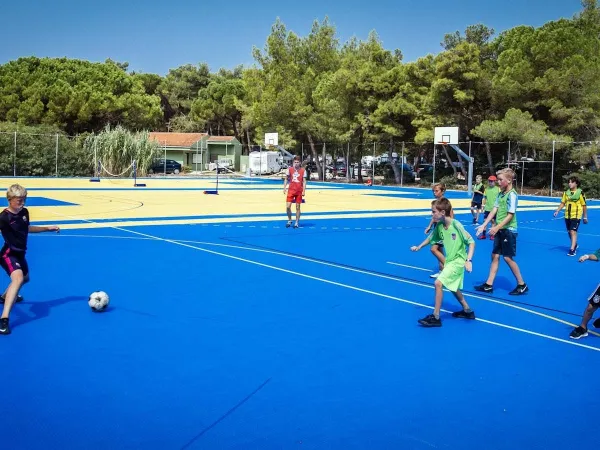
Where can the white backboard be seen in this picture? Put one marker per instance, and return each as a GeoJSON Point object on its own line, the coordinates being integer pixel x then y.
{"type": "Point", "coordinates": [271, 139]}
{"type": "Point", "coordinates": [449, 135]}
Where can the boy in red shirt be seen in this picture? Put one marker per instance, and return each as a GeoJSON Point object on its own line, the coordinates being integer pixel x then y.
{"type": "Point", "coordinates": [296, 180]}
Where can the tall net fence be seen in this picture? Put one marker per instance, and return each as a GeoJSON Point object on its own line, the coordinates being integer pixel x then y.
{"type": "Point", "coordinates": [23, 154]}
{"type": "Point", "coordinates": [540, 167]}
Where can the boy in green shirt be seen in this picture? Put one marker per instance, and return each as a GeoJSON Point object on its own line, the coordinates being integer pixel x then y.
{"type": "Point", "coordinates": [456, 241]}
{"type": "Point", "coordinates": [504, 233]}
{"type": "Point", "coordinates": [593, 304]}
{"type": "Point", "coordinates": [489, 200]}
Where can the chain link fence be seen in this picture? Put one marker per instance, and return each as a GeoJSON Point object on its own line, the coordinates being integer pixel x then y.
{"type": "Point", "coordinates": [539, 167]}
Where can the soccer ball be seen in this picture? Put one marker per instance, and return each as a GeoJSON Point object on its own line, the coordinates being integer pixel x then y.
{"type": "Point", "coordinates": [98, 301]}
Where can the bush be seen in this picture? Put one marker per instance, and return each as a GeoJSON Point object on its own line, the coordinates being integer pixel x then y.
{"type": "Point", "coordinates": [450, 181]}
{"type": "Point", "coordinates": [590, 182]}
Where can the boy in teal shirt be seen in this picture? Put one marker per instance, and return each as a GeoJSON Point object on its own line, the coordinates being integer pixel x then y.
{"type": "Point", "coordinates": [504, 233]}
{"type": "Point", "coordinates": [458, 258]}
{"type": "Point", "coordinates": [593, 304]}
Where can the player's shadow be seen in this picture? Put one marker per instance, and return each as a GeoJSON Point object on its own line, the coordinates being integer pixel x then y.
{"type": "Point", "coordinates": [39, 310]}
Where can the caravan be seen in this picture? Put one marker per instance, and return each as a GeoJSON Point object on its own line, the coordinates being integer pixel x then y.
{"type": "Point", "coordinates": [263, 163]}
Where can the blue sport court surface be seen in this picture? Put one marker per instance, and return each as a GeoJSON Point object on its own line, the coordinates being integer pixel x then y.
{"type": "Point", "coordinates": [248, 335]}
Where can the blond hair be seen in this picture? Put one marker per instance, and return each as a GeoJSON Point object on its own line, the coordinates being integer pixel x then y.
{"type": "Point", "coordinates": [442, 186]}
{"type": "Point", "coordinates": [508, 173]}
{"type": "Point", "coordinates": [478, 178]}
{"type": "Point", "coordinates": [16, 190]}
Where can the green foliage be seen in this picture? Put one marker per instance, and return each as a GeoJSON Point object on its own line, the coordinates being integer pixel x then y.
{"type": "Point", "coordinates": [117, 148]}
{"type": "Point", "coordinates": [590, 182]}
{"type": "Point", "coordinates": [74, 95]}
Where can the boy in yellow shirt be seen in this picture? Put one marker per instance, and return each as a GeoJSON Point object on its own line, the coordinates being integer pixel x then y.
{"type": "Point", "coordinates": [576, 208]}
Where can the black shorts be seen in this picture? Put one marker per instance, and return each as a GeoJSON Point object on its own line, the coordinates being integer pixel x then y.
{"type": "Point", "coordinates": [12, 260]}
{"type": "Point", "coordinates": [572, 224]}
{"type": "Point", "coordinates": [486, 214]}
{"type": "Point", "coordinates": [476, 205]}
{"type": "Point", "coordinates": [505, 243]}
{"type": "Point", "coordinates": [595, 297]}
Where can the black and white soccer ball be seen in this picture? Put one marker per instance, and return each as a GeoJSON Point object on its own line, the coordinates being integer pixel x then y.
{"type": "Point", "coordinates": [98, 301]}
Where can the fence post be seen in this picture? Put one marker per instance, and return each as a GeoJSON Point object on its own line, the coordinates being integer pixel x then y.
{"type": "Point", "coordinates": [552, 175]}
{"type": "Point", "coordinates": [402, 165]}
{"type": "Point", "coordinates": [56, 155]}
{"type": "Point", "coordinates": [15, 157]}
{"type": "Point", "coordinates": [434, 149]}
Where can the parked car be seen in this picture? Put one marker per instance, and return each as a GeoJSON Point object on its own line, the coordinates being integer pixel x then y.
{"type": "Point", "coordinates": [162, 166]}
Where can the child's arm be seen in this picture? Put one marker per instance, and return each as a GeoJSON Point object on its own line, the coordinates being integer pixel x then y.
{"type": "Point", "coordinates": [285, 182]}
{"type": "Point", "coordinates": [468, 263]}
{"type": "Point", "coordinates": [591, 257]}
{"type": "Point", "coordinates": [484, 225]}
{"type": "Point", "coordinates": [38, 229]}
{"type": "Point", "coordinates": [585, 219]}
{"type": "Point", "coordinates": [303, 186]}
{"type": "Point", "coordinates": [416, 248]}
{"type": "Point", "coordinates": [561, 206]}
{"type": "Point", "coordinates": [428, 229]}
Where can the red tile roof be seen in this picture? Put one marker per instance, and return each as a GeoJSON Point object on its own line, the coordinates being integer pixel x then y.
{"type": "Point", "coordinates": [177, 139]}
{"type": "Point", "coordinates": [220, 138]}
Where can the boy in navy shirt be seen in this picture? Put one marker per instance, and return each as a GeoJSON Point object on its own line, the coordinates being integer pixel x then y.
{"type": "Point", "coordinates": [15, 228]}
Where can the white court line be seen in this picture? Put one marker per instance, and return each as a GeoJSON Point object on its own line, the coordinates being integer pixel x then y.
{"type": "Point", "coordinates": [559, 231]}
{"type": "Point", "coordinates": [410, 267]}
{"type": "Point", "coordinates": [378, 294]}
{"type": "Point", "coordinates": [378, 275]}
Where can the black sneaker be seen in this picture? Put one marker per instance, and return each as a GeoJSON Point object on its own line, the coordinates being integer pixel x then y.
{"type": "Point", "coordinates": [484, 288]}
{"type": "Point", "coordinates": [464, 315]}
{"type": "Point", "coordinates": [4, 327]}
{"type": "Point", "coordinates": [519, 290]}
{"type": "Point", "coordinates": [296, 225]}
{"type": "Point", "coordinates": [19, 299]}
{"type": "Point", "coordinates": [430, 321]}
{"type": "Point", "coordinates": [288, 224]}
{"type": "Point", "coordinates": [597, 323]}
{"type": "Point", "coordinates": [578, 333]}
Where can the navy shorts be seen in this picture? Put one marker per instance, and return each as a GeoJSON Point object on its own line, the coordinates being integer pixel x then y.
{"type": "Point", "coordinates": [505, 243]}
{"type": "Point", "coordinates": [12, 260]}
{"type": "Point", "coordinates": [595, 298]}
{"type": "Point", "coordinates": [572, 224]}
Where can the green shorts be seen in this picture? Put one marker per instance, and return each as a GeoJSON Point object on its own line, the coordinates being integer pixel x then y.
{"type": "Point", "coordinates": [453, 275]}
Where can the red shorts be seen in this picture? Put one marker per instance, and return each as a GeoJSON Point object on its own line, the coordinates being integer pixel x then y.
{"type": "Point", "coordinates": [294, 197]}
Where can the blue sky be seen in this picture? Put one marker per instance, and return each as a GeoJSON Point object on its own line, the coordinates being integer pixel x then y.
{"type": "Point", "coordinates": [155, 36]}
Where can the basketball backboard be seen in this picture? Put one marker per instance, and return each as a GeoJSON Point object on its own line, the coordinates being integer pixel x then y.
{"type": "Point", "coordinates": [446, 135]}
{"type": "Point", "coordinates": [271, 139]}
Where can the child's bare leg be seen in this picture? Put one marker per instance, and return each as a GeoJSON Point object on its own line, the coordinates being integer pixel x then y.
{"type": "Point", "coordinates": [461, 299]}
{"type": "Point", "coordinates": [439, 295]}
{"type": "Point", "coordinates": [573, 236]}
{"type": "Point", "coordinates": [297, 212]}
{"type": "Point", "coordinates": [587, 315]}
{"type": "Point", "coordinates": [288, 208]}
{"type": "Point", "coordinates": [493, 269]}
{"type": "Point", "coordinates": [435, 249]}
{"type": "Point", "coordinates": [514, 269]}
{"type": "Point", "coordinates": [16, 281]}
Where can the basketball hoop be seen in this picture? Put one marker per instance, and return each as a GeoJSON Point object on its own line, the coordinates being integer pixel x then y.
{"type": "Point", "coordinates": [443, 143]}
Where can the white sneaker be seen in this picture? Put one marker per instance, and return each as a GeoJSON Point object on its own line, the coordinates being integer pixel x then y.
{"type": "Point", "coordinates": [435, 275]}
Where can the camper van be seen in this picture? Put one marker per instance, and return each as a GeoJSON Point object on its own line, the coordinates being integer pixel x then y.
{"type": "Point", "coordinates": [263, 163]}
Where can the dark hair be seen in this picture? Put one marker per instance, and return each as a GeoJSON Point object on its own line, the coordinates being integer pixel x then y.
{"type": "Point", "coordinates": [297, 158]}
{"type": "Point", "coordinates": [575, 180]}
{"type": "Point", "coordinates": [443, 204]}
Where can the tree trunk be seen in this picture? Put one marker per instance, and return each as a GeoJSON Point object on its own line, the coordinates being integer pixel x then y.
{"type": "Point", "coordinates": [488, 152]}
{"type": "Point", "coordinates": [316, 157]}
